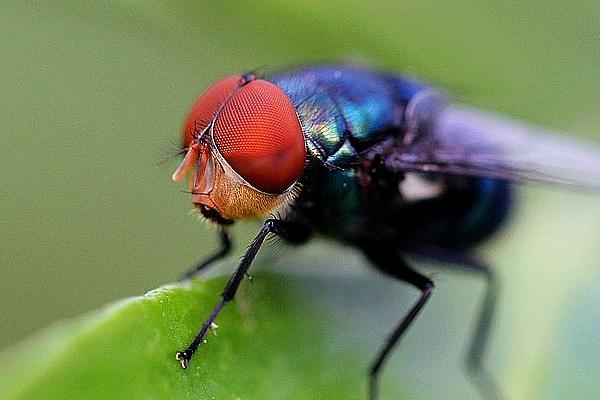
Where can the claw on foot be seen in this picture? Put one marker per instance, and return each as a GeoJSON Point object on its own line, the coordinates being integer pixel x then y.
{"type": "Point", "coordinates": [183, 359]}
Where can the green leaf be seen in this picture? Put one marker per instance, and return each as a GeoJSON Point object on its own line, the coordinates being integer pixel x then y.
{"type": "Point", "coordinates": [270, 344]}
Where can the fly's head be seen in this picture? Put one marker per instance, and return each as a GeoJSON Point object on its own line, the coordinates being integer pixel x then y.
{"type": "Point", "coordinates": [244, 149]}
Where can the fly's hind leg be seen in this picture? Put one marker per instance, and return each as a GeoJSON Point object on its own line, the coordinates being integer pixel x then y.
{"type": "Point", "coordinates": [393, 264]}
{"type": "Point", "coordinates": [219, 254]}
{"type": "Point", "coordinates": [474, 361]}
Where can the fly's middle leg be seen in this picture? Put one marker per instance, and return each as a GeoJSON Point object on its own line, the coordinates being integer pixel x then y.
{"type": "Point", "coordinates": [393, 264]}
{"type": "Point", "coordinates": [476, 369]}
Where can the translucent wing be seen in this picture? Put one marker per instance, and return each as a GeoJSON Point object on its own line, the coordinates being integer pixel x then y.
{"type": "Point", "coordinates": [471, 142]}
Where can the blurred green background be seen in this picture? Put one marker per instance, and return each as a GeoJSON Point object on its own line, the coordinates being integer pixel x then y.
{"type": "Point", "coordinates": [92, 96]}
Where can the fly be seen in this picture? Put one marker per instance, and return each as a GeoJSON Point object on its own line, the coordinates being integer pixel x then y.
{"type": "Point", "coordinates": [377, 161]}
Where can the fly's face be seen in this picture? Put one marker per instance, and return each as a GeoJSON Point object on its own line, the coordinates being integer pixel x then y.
{"type": "Point", "coordinates": [244, 147]}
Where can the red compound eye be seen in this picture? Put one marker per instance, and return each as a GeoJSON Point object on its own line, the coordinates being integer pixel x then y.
{"type": "Point", "coordinates": [206, 107]}
{"type": "Point", "coordinates": [258, 133]}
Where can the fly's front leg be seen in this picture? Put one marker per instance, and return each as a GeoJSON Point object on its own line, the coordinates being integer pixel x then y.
{"type": "Point", "coordinates": [393, 264]}
{"type": "Point", "coordinates": [270, 226]}
{"type": "Point", "coordinates": [222, 252]}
